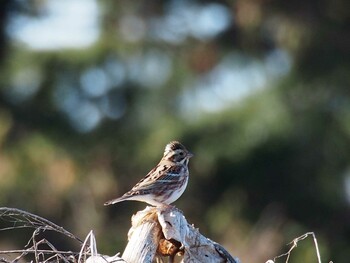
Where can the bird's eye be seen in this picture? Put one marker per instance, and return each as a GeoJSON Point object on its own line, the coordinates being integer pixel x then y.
{"type": "Point", "coordinates": [182, 153]}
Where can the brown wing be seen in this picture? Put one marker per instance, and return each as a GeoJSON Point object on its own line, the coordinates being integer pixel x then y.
{"type": "Point", "coordinates": [162, 174]}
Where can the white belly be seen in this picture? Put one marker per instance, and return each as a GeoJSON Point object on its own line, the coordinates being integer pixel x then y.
{"type": "Point", "coordinates": [176, 194]}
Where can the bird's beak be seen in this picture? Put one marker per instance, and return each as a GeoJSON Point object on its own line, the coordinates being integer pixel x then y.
{"type": "Point", "coordinates": [189, 154]}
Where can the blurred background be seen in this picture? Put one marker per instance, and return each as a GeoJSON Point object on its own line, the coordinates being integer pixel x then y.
{"type": "Point", "coordinates": [91, 91]}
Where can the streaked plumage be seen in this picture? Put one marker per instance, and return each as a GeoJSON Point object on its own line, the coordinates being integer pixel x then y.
{"type": "Point", "coordinates": [166, 182]}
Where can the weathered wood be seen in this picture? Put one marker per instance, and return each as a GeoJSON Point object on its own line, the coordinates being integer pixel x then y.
{"type": "Point", "coordinates": [165, 230]}
{"type": "Point", "coordinates": [143, 237]}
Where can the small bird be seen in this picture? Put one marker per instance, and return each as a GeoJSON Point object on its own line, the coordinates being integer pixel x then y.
{"type": "Point", "coordinates": [166, 182]}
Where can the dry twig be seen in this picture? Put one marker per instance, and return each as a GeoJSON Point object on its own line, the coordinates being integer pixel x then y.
{"type": "Point", "coordinates": [294, 244]}
{"type": "Point", "coordinates": [23, 219]}
{"type": "Point", "coordinates": [41, 249]}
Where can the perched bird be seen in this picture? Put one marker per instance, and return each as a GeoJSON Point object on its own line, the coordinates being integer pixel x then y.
{"type": "Point", "coordinates": [166, 182]}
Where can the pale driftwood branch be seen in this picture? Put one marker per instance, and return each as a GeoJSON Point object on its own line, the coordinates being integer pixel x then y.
{"type": "Point", "coordinates": [143, 237]}
{"type": "Point", "coordinates": [164, 231]}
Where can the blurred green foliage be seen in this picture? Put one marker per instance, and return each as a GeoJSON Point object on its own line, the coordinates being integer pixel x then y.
{"type": "Point", "coordinates": [258, 90]}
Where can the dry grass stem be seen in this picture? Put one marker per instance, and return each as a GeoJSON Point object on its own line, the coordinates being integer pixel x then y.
{"type": "Point", "coordinates": [294, 244]}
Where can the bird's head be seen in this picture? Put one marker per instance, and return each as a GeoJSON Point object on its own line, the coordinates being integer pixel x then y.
{"type": "Point", "coordinates": [177, 153]}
